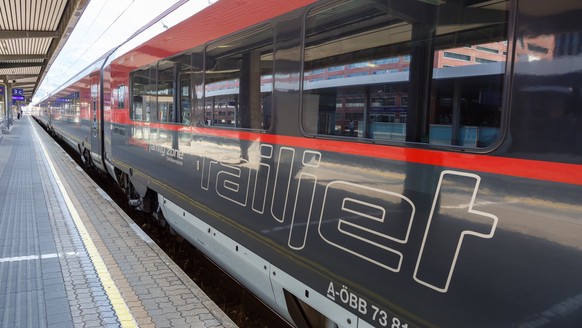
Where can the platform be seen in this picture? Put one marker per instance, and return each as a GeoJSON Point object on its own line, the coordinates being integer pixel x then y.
{"type": "Point", "coordinates": [70, 257]}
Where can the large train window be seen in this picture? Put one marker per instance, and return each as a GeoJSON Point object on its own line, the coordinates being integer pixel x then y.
{"type": "Point", "coordinates": [238, 80]}
{"type": "Point", "coordinates": [415, 71]}
{"type": "Point", "coordinates": [175, 77]}
{"type": "Point", "coordinates": [143, 91]}
{"type": "Point", "coordinates": [163, 92]}
{"type": "Point", "coordinates": [67, 108]}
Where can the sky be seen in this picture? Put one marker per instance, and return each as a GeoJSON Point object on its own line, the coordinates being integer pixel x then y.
{"type": "Point", "coordinates": [106, 24]}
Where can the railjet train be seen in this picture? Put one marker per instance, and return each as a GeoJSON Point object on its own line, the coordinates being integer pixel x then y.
{"type": "Point", "coordinates": [370, 163]}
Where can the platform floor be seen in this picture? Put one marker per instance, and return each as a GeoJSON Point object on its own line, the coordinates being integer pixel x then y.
{"type": "Point", "coordinates": [70, 257]}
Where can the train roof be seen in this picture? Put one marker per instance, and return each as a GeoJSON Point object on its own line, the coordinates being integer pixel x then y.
{"type": "Point", "coordinates": [175, 23]}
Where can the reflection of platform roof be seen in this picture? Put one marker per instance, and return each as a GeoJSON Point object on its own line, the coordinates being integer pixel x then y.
{"type": "Point", "coordinates": [32, 33]}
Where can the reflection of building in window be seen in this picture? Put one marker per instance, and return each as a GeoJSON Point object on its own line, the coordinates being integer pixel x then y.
{"type": "Point", "coordinates": [237, 81]}
{"type": "Point", "coordinates": [454, 101]}
{"type": "Point", "coordinates": [67, 108]}
{"type": "Point", "coordinates": [471, 55]}
{"type": "Point", "coordinates": [536, 48]}
{"type": "Point", "coordinates": [462, 56]}
{"type": "Point", "coordinates": [454, 55]}
{"type": "Point", "coordinates": [390, 105]}
{"type": "Point", "coordinates": [552, 46]}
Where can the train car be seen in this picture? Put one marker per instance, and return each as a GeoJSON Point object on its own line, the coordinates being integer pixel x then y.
{"type": "Point", "coordinates": [73, 112]}
{"type": "Point", "coordinates": [403, 163]}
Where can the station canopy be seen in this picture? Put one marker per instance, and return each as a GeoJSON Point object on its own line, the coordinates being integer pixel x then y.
{"type": "Point", "coordinates": [32, 33]}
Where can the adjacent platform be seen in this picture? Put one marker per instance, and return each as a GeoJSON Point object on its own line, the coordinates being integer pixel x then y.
{"type": "Point", "coordinates": [70, 257]}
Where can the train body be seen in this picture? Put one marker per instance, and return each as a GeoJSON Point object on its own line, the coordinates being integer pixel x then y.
{"type": "Point", "coordinates": [358, 163]}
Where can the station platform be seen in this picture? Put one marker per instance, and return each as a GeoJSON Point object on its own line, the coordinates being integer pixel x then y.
{"type": "Point", "coordinates": [70, 257]}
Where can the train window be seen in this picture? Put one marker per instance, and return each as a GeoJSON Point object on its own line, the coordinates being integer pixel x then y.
{"type": "Point", "coordinates": [238, 81]}
{"type": "Point", "coordinates": [143, 90]}
{"type": "Point", "coordinates": [196, 90]}
{"type": "Point", "coordinates": [119, 96]}
{"type": "Point", "coordinates": [174, 86]}
{"type": "Point", "coordinates": [409, 71]}
{"type": "Point", "coordinates": [67, 108]}
{"type": "Point", "coordinates": [163, 92]}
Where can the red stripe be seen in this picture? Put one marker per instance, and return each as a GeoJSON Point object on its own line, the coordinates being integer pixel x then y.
{"type": "Point", "coordinates": [531, 169]}
{"type": "Point", "coordinates": [539, 170]}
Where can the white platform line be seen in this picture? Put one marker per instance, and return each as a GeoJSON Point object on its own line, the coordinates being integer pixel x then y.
{"type": "Point", "coordinates": [28, 257]}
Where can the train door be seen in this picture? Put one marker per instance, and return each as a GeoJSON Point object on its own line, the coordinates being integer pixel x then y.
{"type": "Point", "coordinates": [95, 120]}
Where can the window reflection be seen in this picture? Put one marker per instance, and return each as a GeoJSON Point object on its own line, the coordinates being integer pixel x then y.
{"type": "Point", "coordinates": [368, 74]}
{"type": "Point", "coordinates": [238, 82]}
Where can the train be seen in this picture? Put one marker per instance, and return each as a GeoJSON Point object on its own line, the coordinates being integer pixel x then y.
{"type": "Point", "coordinates": [370, 163]}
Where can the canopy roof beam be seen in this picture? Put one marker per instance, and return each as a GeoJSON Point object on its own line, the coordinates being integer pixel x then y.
{"type": "Point", "coordinates": [24, 34]}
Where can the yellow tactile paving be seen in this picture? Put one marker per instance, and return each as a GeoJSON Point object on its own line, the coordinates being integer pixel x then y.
{"type": "Point", "coordinates": [121, 309]}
